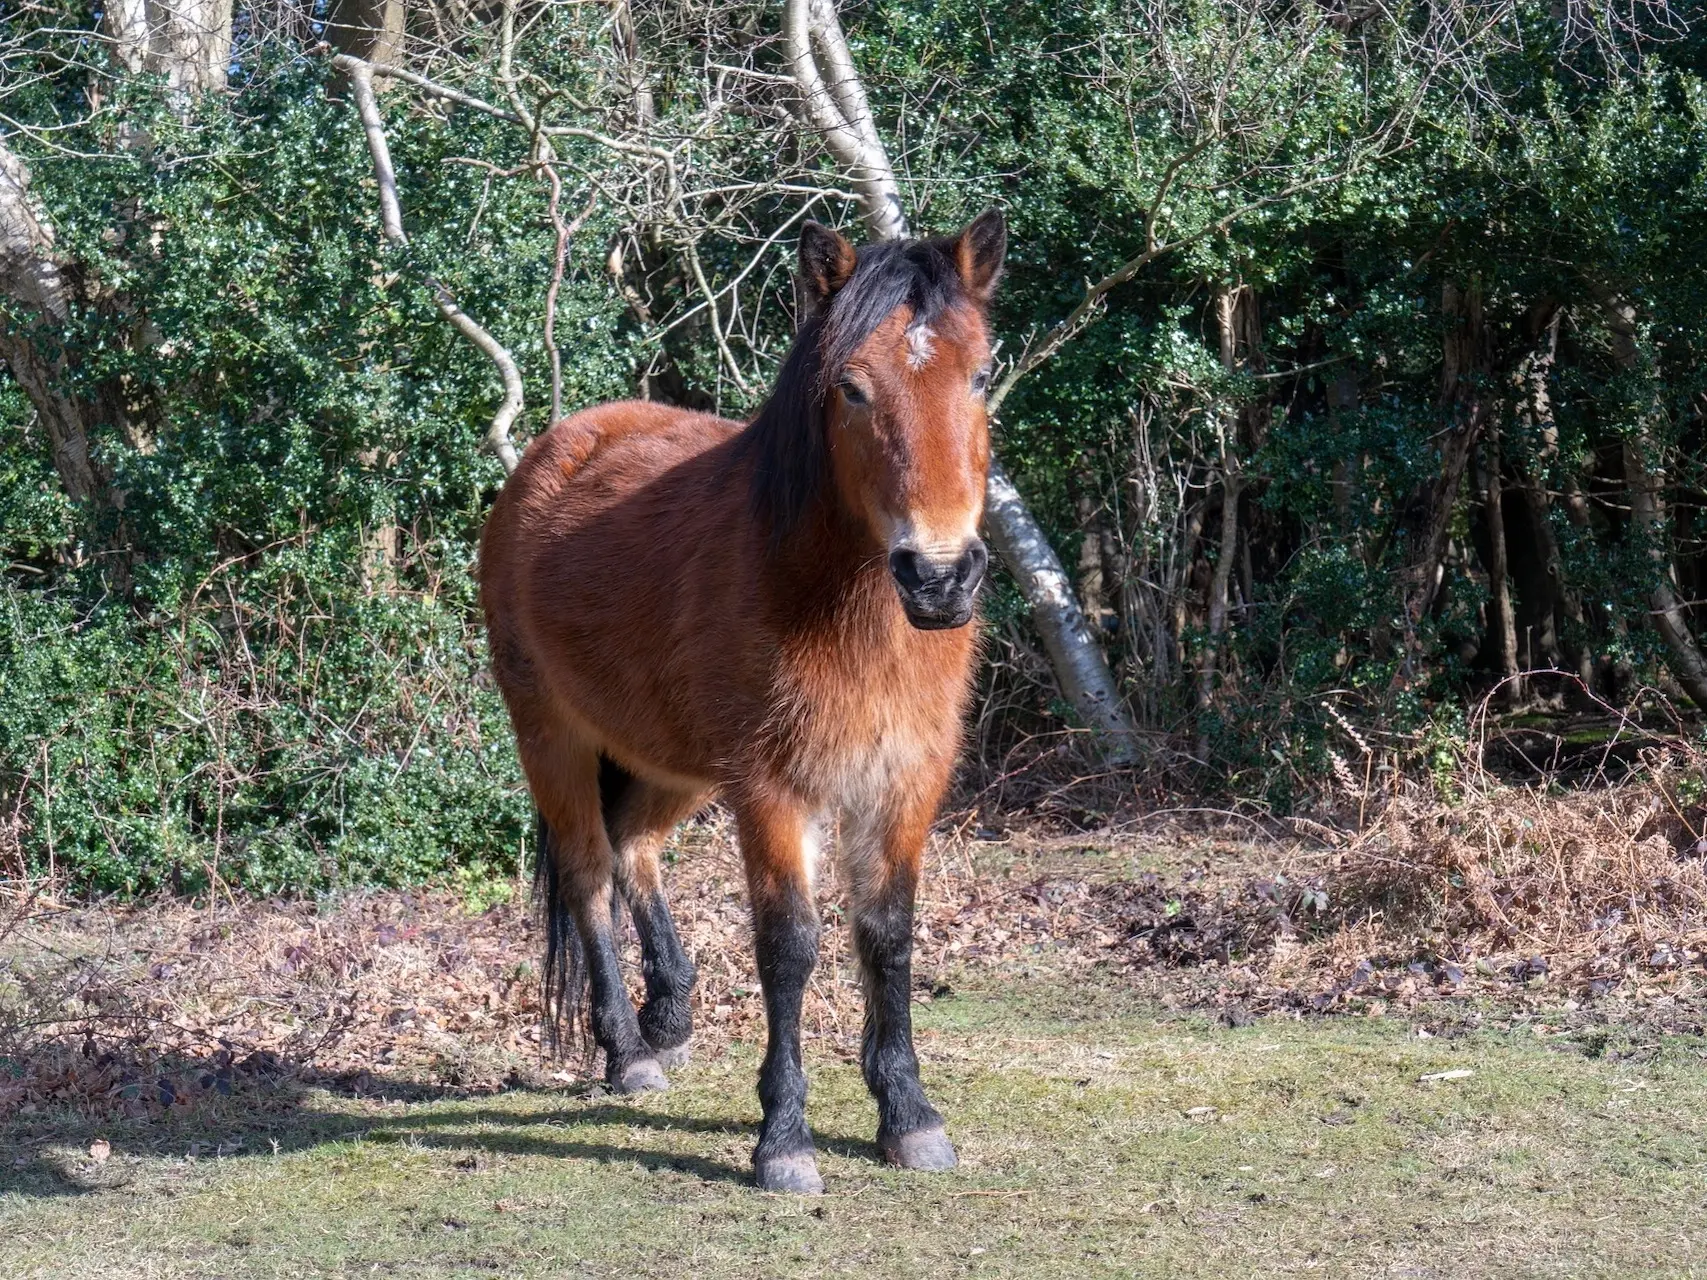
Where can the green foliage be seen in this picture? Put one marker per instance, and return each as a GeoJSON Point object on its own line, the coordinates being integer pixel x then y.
{"type": "Point", "coordinates": [262, 660]}
{"type": "Point", "coordinates": [278, 700]}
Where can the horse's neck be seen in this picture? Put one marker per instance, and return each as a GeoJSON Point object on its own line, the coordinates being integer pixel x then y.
{"type": "Point", "coordinates": [838, 577]}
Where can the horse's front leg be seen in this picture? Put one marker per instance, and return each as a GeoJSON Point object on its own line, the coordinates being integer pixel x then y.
{"type": "Point", "coordinates": [881, 855]}
{"type": "Point", "coordinates": [778, 846]}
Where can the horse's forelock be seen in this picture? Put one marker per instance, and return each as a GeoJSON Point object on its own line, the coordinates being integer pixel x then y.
{"type": "Point", "coordinates": [918, 274]}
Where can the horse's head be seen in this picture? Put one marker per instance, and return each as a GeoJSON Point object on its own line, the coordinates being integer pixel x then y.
{"type": "Point", "coordinates": [904, 366]}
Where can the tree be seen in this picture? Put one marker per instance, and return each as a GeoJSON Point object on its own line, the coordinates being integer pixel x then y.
{"type": "Point", "coordinates": [187, 43]}
{"type": "Point", "coordinates": [1643, 461]}
{"type": "Point", "coordinates": [39, 288]}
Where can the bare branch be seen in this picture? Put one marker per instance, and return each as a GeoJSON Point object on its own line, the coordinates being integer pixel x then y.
{"type": "Point", "coordinates": [498, 440]}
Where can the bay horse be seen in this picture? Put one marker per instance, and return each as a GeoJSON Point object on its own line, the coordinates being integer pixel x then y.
{"type": "Point", "coordinates": [780, 614]}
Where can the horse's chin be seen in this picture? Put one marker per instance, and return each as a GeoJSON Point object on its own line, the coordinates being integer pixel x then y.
{"type": "Point", "coordinates": [939, 619]}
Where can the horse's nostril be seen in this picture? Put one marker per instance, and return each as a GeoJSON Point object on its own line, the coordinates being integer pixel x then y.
{"type": "Point", "coordinates": [908, 568]}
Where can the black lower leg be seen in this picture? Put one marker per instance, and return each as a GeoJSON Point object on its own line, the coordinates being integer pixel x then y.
{"type": "Point", "coordinates": [666, 1019]}
{"type": "Point", "coordinates": [786, 938]}
{"type": "Point", "coordinates": [883, 932]}
{"type": "Point", "coordinates": [614, 1024]}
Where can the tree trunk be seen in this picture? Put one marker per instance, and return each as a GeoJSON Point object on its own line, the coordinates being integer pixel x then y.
{"type": "Point", "coordinates": [1644, 474]}
{"type": "Point", "coordinates": [1645, 477]}
{"type": "Point", "coordinates": [627, 45]}
{"type": "Point", "coordinates": [1502, 624]}
{"type": "Point", "coordinates": [36, 285]}
{"type": "Point", "coordinates": [1551, 600]}
{"type": "Point", "coordinates": [371, 30]}
{"type": "Point", "coordinates": [1093, 581]}
{"type": "Point", "coordinates": [1077, 660]}
{"type": "Point", "coordinates": [187, 41]}
{"type": "Point", "coordinates": [833, 102]}
{"type": "Point", "coordinates": [1463, 366]}
{"type": "Point", "coordinates": [1238, 328]}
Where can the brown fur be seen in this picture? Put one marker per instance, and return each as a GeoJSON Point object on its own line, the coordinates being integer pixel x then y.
{"type": "Point", "coordinates": [634, 612]}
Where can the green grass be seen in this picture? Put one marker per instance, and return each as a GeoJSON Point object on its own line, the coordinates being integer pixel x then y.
{"type": "Point", "coordinates": [1324, 1154]}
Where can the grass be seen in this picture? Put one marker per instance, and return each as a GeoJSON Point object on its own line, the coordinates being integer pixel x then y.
{"type": "Point", "coordinates": [1086, 1149]}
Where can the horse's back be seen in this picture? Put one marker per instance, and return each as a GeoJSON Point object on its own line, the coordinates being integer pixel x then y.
{"type": "Point", "coordinates": [603, 455]}
{"type": "Point", "coordinates": [608, 565]}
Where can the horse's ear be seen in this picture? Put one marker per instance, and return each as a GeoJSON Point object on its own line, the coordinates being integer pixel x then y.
{"type": "Point", "coordinates": [979, 253]}
{"type": "Point", "coordinates": [826, 262]}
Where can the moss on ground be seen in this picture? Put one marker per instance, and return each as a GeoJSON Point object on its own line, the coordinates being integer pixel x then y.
{"type": "Point", "coordinates": [1097, 1139]}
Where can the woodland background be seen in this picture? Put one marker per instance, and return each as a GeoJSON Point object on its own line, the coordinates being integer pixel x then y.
{"type": "Point", "coordinates": [1354, 371]}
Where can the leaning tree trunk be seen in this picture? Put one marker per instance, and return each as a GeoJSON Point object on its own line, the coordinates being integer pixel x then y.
{"type": "Point", "coordinates": [1644, 474]}
{"type": "Point", "coordinates": [833, 102]}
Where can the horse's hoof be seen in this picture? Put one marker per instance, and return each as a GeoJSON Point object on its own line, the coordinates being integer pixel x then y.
{"type": "Point", "coordinates": [796, 1174]}
{"type": "Point", "coordinates": [643, 1075]}
{"type": "Point", "coordinates": [675, 1056]}
{"type": "Point", "coordinates": [926, 1150]}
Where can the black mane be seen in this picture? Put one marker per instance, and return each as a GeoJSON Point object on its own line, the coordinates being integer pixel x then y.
{"type": "Point", "coordinates": [786, 438]}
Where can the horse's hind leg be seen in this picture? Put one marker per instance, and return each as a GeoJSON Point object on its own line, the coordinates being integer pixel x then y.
{"type": "Point", "coordinates": [565, 782]}
{"type": "Point", "coordinates": [640, 819]}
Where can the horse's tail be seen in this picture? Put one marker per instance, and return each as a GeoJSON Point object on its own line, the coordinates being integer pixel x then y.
{"type": "Point", "coordinates": [563, 979]}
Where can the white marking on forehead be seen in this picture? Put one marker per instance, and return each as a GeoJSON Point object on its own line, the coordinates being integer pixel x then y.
{"type": "Point", "coordinates": [919, 349]}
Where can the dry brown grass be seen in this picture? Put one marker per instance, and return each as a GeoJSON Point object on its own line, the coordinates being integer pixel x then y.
{"type": "Point", "coordinates": [1600, 892]}
{"type": "Point", "coordinates": [1594, 901]}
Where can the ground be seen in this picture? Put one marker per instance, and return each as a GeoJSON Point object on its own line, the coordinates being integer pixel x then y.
{"type": "Point", "coordinates": [1097, 1139]}
{"type": "Point", "coordinates": [1116, 1115]}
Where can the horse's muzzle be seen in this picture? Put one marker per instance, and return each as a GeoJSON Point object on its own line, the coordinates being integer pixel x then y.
{"type": "Point", "coordinates": [939, 593]}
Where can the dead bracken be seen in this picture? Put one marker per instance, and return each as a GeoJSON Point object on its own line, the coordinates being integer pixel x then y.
{"type": "Point", "coordinates": [1589, 904]}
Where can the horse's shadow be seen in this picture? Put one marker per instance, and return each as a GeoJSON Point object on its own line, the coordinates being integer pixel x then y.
{"type": "Point", "coordinates": [504, 1132]}
{"type": "Point", "coordinates": [283, 1115]}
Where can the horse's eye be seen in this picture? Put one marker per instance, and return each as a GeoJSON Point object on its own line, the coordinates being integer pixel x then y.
{"type": "Point", "coordinates": [980, 382]}
{"type": "Point", "coordinates": [851, 392]}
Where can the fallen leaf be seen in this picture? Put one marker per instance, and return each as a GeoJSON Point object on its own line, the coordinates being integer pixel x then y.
{"type": "Point", "coordinates": [1458, 1073]}
{"type": "Point", "coordinates": [99, 1150]}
